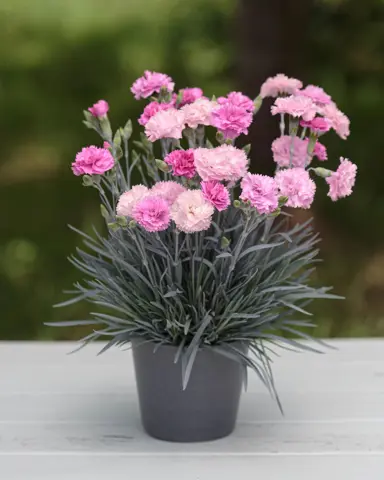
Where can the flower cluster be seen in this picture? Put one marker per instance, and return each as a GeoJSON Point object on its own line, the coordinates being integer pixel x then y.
{"type": "Point", "coordinates": [194, 179]}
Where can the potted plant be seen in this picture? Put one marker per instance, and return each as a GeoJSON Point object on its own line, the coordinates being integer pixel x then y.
{"type": "Point", "coordinates": [201, 270]}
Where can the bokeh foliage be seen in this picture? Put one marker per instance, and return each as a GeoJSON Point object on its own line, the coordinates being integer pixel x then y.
{"type": "Point", "coordinates": [57, 58]}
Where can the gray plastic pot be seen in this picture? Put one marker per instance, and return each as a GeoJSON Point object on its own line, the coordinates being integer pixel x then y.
{"type": "Point", "coordinates": [205, 410]}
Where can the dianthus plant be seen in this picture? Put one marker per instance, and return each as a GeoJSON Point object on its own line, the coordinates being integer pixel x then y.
{"type": "Point", "coordinates": [198, 252]}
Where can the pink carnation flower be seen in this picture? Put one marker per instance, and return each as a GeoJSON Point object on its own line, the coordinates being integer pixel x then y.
{"type": "Point", "coordinates": [167, 190]}
{"type": "Point", "coordinates": [182, 163]}
{"type": "Point", "coordinates": [165, 124]}
{"type": "Point", "coordinates": [281, 149]}
{"type": "Point", "coordinates": [93, 161]}
{"type": "Point", "coordinates": [280, 85]}
{"type": "Point", "coordinates": [238, 99]}
{"type": "Point", "coordinates": [296, 106]}
{"type": "Point", "coordinates": [342, 181]}
{"type": "Point", "coordinates": [129, 199]}
{"type": "Point", "coordinates": [191, 212]}
{"type": "Point", "coordinates": [99, 109]}
{"type": "Point", "coordinates": [261, 191]}
{"type": "Point", "coordinates": [152, 213]}
{"type": "Point", "coordinates": [189, 95]}
{"type": "Point", "coordinates": [320, 151]}
{"type": "Point", "coordinates": [318, 125]}
{"type": "Point", "coordinates": [106, 145]}
{"type": "Point", "coordinates": [151, 109]}
{"type": "Point", "coordinates": [198, 112]}
{"type": "Point", "coordinates": [216, 194]}
{"type": "Point", "coordinates": [224, 163]}
{"type": "Point", "coordinates": [337, 119]}
{"type": "Point", "coordinates": [150, 83]}
{"type": "Point", "coordinates": [316, 94]}
{"type": "Point", "coordinates": [296, 184]}
{"type": "Point", "coordinates": [231, 120]}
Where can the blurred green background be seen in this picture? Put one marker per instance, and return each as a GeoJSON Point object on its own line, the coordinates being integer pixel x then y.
{"type": "Point", "coordinates": [58, 57]}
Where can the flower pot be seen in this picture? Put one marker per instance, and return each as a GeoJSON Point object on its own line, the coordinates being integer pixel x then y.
{"type": "Point", "coordinates": [205, 410]}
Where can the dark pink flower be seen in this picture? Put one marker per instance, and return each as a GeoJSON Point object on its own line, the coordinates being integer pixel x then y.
{"type": "Point", "coordinates": [238, 99]}
{"type": "Point", "coordinates": [150, 83]}
{"type": "Point", "coordinates": [216, 194]}
{"type": "Point", "coordinates": [99, 109]}
{"type": "Point", "coordinates": [189, 95]}
{"type": "Point", "coordinates": [151, 109]}
{"type": "Point", "coordinates": [93, 161]}
{"type": "Point", "coordinates": [182, 163]}
{"type": "Point", "coordinates": [318, 125]}
{"type": "Point", "coordinates": [152, 213]}
{"type": "Point", "coordinates": [320, 151]}
{"type": "Point", "coordinates": [231, 120]}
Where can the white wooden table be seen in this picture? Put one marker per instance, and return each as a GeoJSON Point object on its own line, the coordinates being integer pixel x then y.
{"type": "Point", "coordinates": [75, 417]}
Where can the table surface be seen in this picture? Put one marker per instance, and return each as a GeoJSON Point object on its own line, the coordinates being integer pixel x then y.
{"type": "Point", "coordinates": [76, 417]}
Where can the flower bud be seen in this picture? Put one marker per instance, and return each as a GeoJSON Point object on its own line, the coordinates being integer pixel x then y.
{"type": "Point", "coordinates": [161, 165]}
{"type": "Point", "coordinates": [322, 172]}
{"type": "Point", "coordinates": [132, 224]}
{"type": "Point", "coordinates": [220, 137]}
{"type": "Point", "coordinates": [237, 203]}
{"type": "Point", "coordinates": [257, 104]}
{"type": "Point", "coordinates": [225, 242]}
{"type": "Point", "coordinates": [283, 201]}
{"type": "Point", "coordinates": [276, 213]}
{"type": "Point", "coordinates": [104, 211]}
{"type": "Point", "coordinates": [117, 138]}
{"type": "Point", "coordinates": [121, 221]}
{"type": "Point", "coordinates": [105, 127]}
{"type": "Point", "coordinates": [127, 130]}
{"type": "Point", "coordinates": [87, 181]}
{"type": "Point", "coordinates": [113, 226]}
{"type": "Point", "coordinates": [247, 148]}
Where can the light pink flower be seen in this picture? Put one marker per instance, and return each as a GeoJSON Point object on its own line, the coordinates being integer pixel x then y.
{"type": "Point", "coordinates": [93, 161]}
{"type": "Point", "coordinates": [216, 194]}
{"type": "Point", "coordinates": [191, 212]}
{"type": "Point", "coordinates": [190, 95]}
{"type": "Point", "coordinates": [165, 124]}
{"type": "Point", "coordinates": [224, 163]}
{"type": "Point", "coordinates": [198, 112]}
{"type": "Point", "coordinates": [296, 184]}
{"type": "Point", "coordinates": [182, 163]}
{"type": "Point", "coordinates": [261, 191]}
{"type": "Point", "coordinates": [106, 145]}
{"type": "Point", "coordinates": [280, 85]}
{"type": "Point", "coordinates": [150, 83]}
{"type": "Point", "coordinates": [129, 199]}
{"type": "Point", "coordinates": [151, 109]}
{"type": "Point", "coordinates": [338, 120]}
{"type": "Point", "coordinates": [167, 190]}
{"type": "Point", "coordinates": [296, 106]}
{"type": "Point", "coordinates": [318, 125]}
{"type": "Point", "coordinates": [320, 151]}
{"type": "Point", "coordinates": [238, 99]}
{"type": "Point", "coordinates": [152, 213]}
{"type": "Point", "coordinates": [316, 94]}
{"type": "Point", "coordinates": [342, 181]}
{"type": "Point", "coordinates": [281, 149]}
{"type": "Point", "coordinates": [231, 120]}
{"type": "Point", "coordinates": [99, 109]}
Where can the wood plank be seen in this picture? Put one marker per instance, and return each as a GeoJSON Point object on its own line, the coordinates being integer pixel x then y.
{"type": "Point", "coordinates": [293, 437]}
{"type": "Point", "coordinates": [183, 467]}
